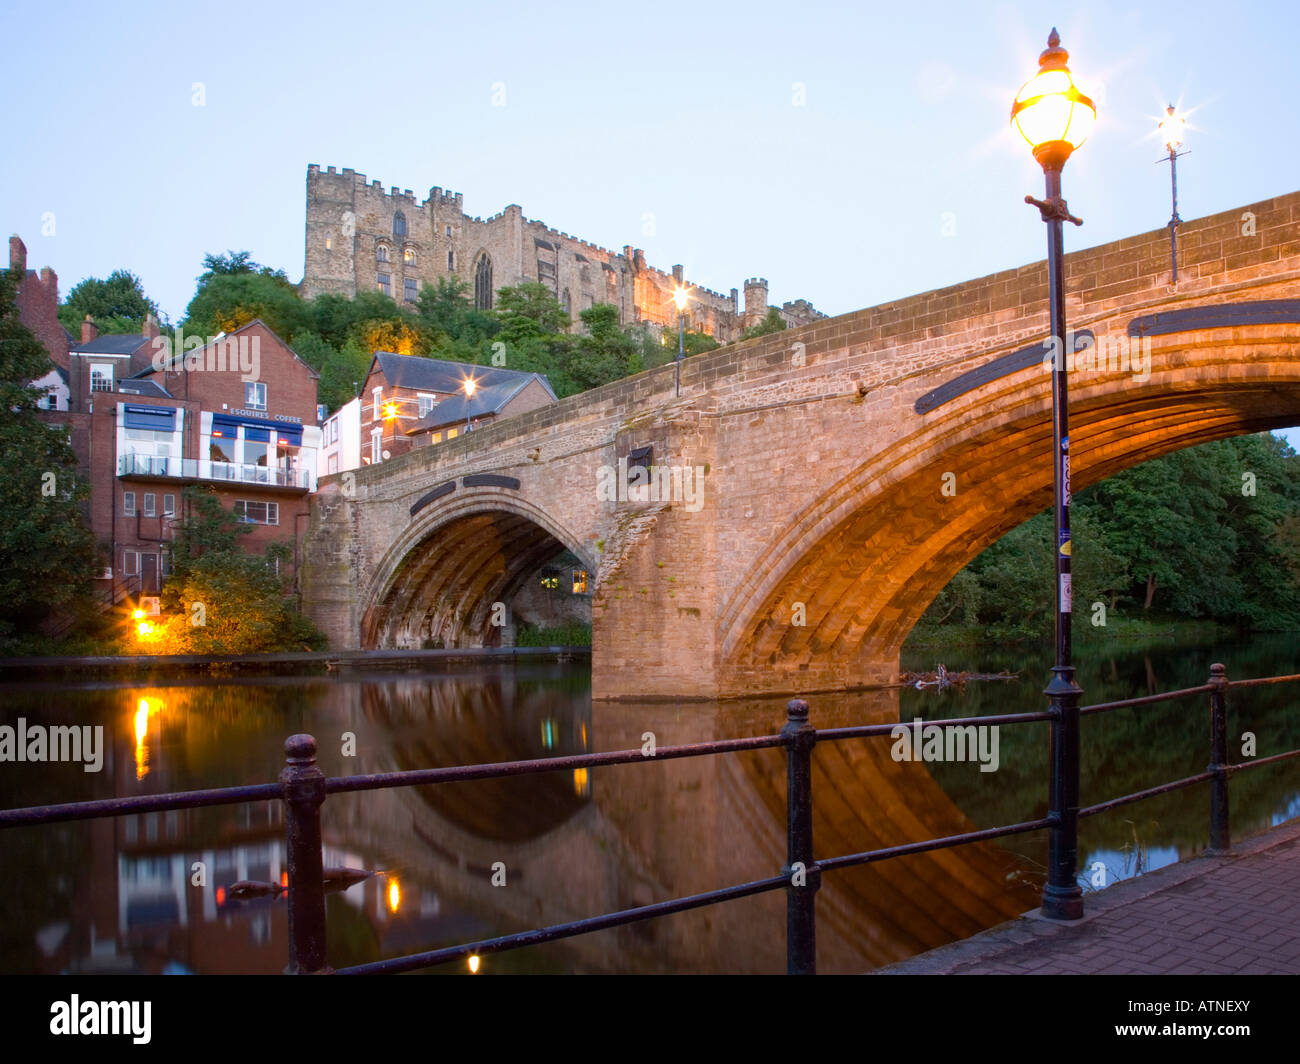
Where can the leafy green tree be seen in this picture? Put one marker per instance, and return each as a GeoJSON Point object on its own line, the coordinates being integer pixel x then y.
{"type": "Point", "coordinates": [606, 353]}
{"type": "Point", "coordinates": [47, 554]}
{"type": "Point", "coordinates": [234, 290]}
{"type": "Point", "coordinates": [772, 323]}
{"type": "Point", "coordinates": [530, 310]}
{"type": "Point", "coordinates": [116, 304]}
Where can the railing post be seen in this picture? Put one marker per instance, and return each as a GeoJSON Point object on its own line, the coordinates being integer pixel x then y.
{"type": "Point", "coordinates": [303, 787]}
{"type": "Point", "coordinates": [1220, 837]}
{"type": "Point", "coordinates": [1062, 895]}
{"type": "Point", "coordinates": [802, 873]}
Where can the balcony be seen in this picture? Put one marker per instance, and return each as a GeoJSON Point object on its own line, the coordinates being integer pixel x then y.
{"type": "Point", "coordinates": [194, 469]}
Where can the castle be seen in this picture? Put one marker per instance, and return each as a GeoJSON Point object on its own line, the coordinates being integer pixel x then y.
{"type": "Point", "coordinates": [361, 238]}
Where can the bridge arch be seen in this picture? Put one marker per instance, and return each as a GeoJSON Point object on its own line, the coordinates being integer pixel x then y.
{"type": "Point", "coordinates": [440, 578]}
{"type": "Point", "coordinates": [869, 554]}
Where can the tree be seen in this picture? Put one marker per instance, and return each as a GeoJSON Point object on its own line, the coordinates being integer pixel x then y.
{"type": "Point", "coordinates": [222, 600]}
{"type": "Point", "coordinates": [529, 310]}
{"type": "Point", "coordinates": [47, 554]}
{"type": "Point", "coordinates": [116, 305]}
{"type": "Point", "coordinates": [773, 323]}
{"type": "Point", "coordinates": [606, 353]}
{"type": "Point", "coordinates": [234, 290]}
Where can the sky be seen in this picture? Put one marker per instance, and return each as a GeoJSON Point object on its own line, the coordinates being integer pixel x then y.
{"type": "Point", "coordinates": [851, 153]}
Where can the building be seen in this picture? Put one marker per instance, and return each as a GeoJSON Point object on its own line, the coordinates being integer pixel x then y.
{"type": "Point", "coordinates": [360, 238]}
{"type": "Point", "coordinates": [402, 392]}
{"type": "Point", "coordinates": [340, 446]}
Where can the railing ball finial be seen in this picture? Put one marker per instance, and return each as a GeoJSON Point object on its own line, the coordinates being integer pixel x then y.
{"type": "Point", "coordinates": [1218, 671]}
{"type": "Point", "coordinates": [300, 750]}
{"type": "Point", "coordinates": [796, 710]}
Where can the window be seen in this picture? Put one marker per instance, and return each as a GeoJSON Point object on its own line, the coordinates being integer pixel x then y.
{"type": "Point", "coordinates": [378, 394]}
{"type": "Point", "coordinates": [451, 260]}
{"type": "Point", "coordinates": [386, 284]}
{"type": "Point", "coordinates": [436, 438]}
{"type": "Point", "coordinates": [128, 503]}
{"type": "Point", "coordinates": [51, 401]}
{"type": "Point", "coordinates": [150, 504]}
{"type": "Point", "coordinates": [332, 464]}
{"type": "Point", "coordinates": [427, 403]}
{"type": "Point", "coordinates": [334, 433]}
{"type": "Point", "coordinates": [579, 581]}
{"type": "Point", "coordinates": [255, 395]}
{"type": "Point", "coordinates": [169, 505]}
{"type": "Point", "coordinates": [101, 378]}
{"type": "Point", "coordinates": [257, 513]}
{"type": "Point", "coordinates": [483, 283]}
{"type": "Point", "coordinates": [451, 434]}
{"type": "Point", "coordinates": [329, 241]}
{"type": "Point", "coordinates": [399, 225]}
{"type": "Point", "coordinates": [381, 253]}
{"type": "Point", "coordinates": [408, 256]}
{"type": "Point", "coordinates": [130, 562]}
{"type": "Point", "coordinates": [411, 287]}
{"type": "Point", "coordinates": [376, 445]}
{"type": "Point", "coordinates": [449, 230]}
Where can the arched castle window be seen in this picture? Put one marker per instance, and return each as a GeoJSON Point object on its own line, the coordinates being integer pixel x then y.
{"type": "Point", "coordinates": [329, 241]}
{"type": "Point", "coordinates": [381, 253]}
{"type": "Point", "coordinates": [483, 282]}
{"type": "Point", "coordinates": [408, 256]}
{"type": "Point", "coordinates": [399, 225]}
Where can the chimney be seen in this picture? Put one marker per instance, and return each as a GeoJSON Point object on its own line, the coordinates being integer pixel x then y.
{"type": "Point", "coordinates": [88, 330]}
{"type": "Point", "coordinates": [150, 329]}
{"type": "Point", "coordinates": [17, 255]}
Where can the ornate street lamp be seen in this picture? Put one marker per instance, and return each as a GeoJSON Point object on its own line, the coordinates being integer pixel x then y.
{"type": "Point", "coordinates": [470, 385]}
{"type": "Point", "coordinates": [1171, 133]}
{"type": "Point", "coordinates": [680, 296]}
{"type": "Point", "coordinates": [1055, 118]}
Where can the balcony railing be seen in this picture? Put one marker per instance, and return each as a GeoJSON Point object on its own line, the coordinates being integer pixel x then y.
{"type": "Point", "coordinates": [148, 465]}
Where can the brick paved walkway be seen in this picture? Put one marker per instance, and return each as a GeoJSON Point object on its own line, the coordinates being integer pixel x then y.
{"type": "Point", "coordinates": [1205, 916]}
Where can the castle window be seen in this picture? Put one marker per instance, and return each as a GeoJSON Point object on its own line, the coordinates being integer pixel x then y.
{"type": "Point", "coordinates": [399, 224]}
{"type": "Point", "coordinates": [408, 256]}
{"type": "Point", "coordinates": [385, 284]}
{"type": "Point", "coordinates": [381, 253]}
{"type": "Point", "coordinates": [451, 260]}
{"type": "Point", "coordinates": [449, 230]}
{"type": "Point", "coordinates": [483, 283]}
{"type": "Point", "coordinates": [411, 289]}
{"type": "Point", "coordinates": [329, 241]}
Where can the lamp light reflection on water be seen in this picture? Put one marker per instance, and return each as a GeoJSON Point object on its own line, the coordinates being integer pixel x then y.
{"type": "Point", "coordinates": [394, 896]}
{"type": "Point", "coordinates": [141, 731]}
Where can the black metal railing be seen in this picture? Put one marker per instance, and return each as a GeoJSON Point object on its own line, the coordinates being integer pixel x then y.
{"type": "Point", "coordinates": [304, 788]}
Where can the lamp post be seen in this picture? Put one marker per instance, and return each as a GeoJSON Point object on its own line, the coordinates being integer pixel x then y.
{"type": "Point", "coordinates": [680, 295]}
{"type": "Point", "coordinates": [470, 385]}
{"type": "Point", "coordinates": [1055, 118]}
{"type": "Point", "coordinates": [1171, 132]}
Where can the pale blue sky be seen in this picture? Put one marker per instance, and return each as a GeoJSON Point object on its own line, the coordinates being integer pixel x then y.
{"type": "Point", "coordinates": [616, 112]}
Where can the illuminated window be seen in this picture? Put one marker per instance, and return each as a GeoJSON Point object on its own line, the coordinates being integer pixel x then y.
{"type": "Point", "coordinates": [451, 434]}
{"type": "Point", "coordinates": [408, 256]}
{"type": "Point", "coordinates": [329, 241]}
{"type": "Point", "coordinates": [579, 581]}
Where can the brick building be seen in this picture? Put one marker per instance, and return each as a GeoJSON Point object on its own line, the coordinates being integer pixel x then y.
{"type": "Point", "coordinates": [360, 238]}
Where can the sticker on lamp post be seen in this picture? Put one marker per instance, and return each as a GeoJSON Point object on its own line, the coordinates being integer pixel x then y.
{"type": "Point", "coordinates": [1065, 593]}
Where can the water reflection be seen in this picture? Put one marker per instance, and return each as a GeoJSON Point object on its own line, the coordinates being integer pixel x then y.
{"type": "Point", "coordinates": [456, 862]}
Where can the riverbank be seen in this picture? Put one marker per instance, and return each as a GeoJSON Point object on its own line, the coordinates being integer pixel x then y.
{"type": "Point", "coordinates": [300, 663]}
{"type": "Point", "coordinates": [1131, 633]}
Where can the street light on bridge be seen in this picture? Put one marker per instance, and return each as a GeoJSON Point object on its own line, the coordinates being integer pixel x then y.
{"type": "Point", "coordinates": [1055, 118]}
{"type": "Point", "coordinates": [1171, 134]}
{"type": "Point", "coordinates": [680, 296]}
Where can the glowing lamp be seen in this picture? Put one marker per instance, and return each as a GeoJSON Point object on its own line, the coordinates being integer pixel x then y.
{"type": "Point", "coordinates": [390, 411]}
{"type": "Point", "coordinates": [1050, 112]}
{"type": "Point", "coordinates": [470, 385]}
{"type": "Point", "coordinates": [680, 296]}
{"type": "Point", "coordinates": [1171, 129]}
{"type": "Point", "coordinates": [473, 964]}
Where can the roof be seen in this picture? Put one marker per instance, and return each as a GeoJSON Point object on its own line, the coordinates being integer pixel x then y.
{"type": "Point", "coordinates": [487, 401]}
{"type": "Point", "coordinates": [132, 386]}
{"type": "Point", "coordinates": [113, 344]}
{"type": "Point", "coordinates": [436, 375]}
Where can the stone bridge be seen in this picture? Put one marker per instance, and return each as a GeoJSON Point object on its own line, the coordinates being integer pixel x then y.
{"type": "Point", "coordinates": [847, 469]}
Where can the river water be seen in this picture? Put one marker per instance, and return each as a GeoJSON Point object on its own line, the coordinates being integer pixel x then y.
{"type": "Point", "coordinates": [149, 893]}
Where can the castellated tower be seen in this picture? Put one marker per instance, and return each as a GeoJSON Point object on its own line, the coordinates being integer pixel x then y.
{"type": "Point", "coordinates": [360, 238]}
{"type": "Point", "coordinates": [755, 302]}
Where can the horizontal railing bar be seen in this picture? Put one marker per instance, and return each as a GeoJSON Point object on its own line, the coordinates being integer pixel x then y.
{"type": "Point", "coordinates": [1264, 760]}
{"type": "Point", "coordinates": [1150, 792]}
{"type": "Point", "coordinates": [413, 961]}
{"type": "Point", "coordinates": [848, 861]}
{"type": "Point", "coordinates": [1263, 680]}
{"type": "Point", "coordinates": [867, 730]}
{"type": "Point", "coordinates": [498, 769]}
{"type": "Point", "coordinates": [1102, 707]}
{"type": "Point", "coordinates": [145, 803]}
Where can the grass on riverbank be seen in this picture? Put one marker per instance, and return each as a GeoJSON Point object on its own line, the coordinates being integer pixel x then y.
{"type": "Point", "coordinates": [1132, 631]}
{"type": "Point", "coordinates": [564, 635]}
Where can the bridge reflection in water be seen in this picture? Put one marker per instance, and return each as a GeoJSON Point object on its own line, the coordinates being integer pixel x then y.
{"type": "Point", "coordinates": [572, 845]}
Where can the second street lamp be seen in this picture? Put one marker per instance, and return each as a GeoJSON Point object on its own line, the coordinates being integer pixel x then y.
{"type": "Point", "coordinates": [1055, 118]}
{"type": "Point", "coordinates": [680, 295]}
{"type": "Point", "coordinates": [1171, 133]}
